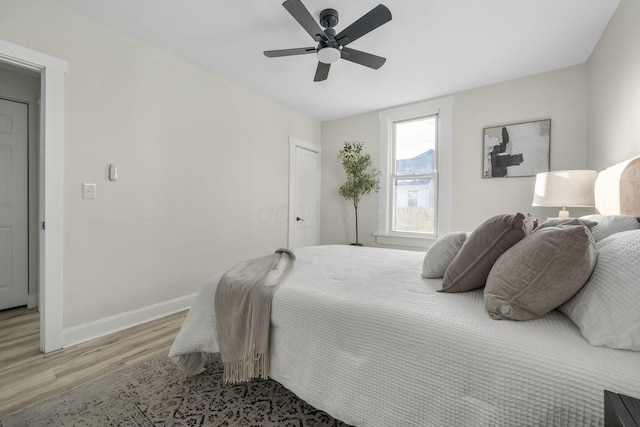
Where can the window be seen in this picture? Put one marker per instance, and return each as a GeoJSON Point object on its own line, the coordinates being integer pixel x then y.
{"type": "Point", "coordinates": [415, 160]}
{"type": "Point", "coordinates": [413, 176]}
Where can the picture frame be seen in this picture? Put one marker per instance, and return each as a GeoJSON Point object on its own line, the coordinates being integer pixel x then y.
{"type": "Point", "coordinates": [516, 150]}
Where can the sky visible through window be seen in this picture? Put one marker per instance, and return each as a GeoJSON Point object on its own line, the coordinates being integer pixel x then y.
{"type": "Point", "coordinates": [414, 137]}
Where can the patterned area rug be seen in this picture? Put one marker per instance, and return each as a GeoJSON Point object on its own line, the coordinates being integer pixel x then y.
{"type": "Point", "coordinates": [155, 393]}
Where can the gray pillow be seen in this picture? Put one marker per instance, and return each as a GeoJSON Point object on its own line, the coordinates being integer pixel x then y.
{"type": "Point", "coordinates": [611, 224]}
{"type": "Point", "coordinates": [440, 255]}
{"type": "Point", "coordinates": [553, 222]}
{"type": "Point", "coordinates": [607, 308]}
{"type": "Point", "coordinates": [540, 272]}
{"type": "Point", "coordinates": [470, 267]}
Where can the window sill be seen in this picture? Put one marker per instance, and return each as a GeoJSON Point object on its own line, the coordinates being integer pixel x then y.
{"type": "Point", "coordinates": [405, 240]}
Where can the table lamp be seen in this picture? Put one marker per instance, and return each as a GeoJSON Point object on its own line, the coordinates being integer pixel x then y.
{"type": "Point", "coordinates": [565, 188]}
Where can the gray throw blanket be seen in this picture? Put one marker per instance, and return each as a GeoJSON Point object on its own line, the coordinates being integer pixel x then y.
{"type": "Point", "coordinates": [243, 314]}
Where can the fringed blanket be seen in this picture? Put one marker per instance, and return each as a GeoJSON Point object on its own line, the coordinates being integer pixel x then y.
{"type": "Point", "coordinates": [243, 314]}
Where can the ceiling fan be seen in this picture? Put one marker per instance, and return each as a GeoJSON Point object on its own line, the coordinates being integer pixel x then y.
{"type": "Point", "coordinates": [332, 46]}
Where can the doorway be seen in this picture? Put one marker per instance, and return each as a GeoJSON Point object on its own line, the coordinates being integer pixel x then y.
{"type": "Point", "coordinates": [304, 194]}
{"type": "Point", "coordinates": [50, 137]}
{"type": "Point", "coordinates": [14, 202]}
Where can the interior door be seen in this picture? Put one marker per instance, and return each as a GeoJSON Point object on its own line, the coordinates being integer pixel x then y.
{"type": "Point", "coordinates": [304, 194]}
{"type": "Point", "coordinates": [14, 285]}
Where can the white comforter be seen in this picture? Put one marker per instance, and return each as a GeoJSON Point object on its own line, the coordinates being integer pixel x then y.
{"type": "Point", "coordinates": [357, 332]}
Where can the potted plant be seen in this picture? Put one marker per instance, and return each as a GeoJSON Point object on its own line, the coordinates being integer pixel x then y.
{"type": "Point", "coordinates": [362, 178]}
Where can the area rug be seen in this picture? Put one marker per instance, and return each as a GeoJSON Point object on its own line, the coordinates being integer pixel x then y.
{"type": "Point", "coordinates": [155, 393]}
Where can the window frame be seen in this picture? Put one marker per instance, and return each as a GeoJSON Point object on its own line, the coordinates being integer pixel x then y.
{"type": "Point", "coordinates": [443, 109]}
{"type": "Point", "coordinates": [394, 176]}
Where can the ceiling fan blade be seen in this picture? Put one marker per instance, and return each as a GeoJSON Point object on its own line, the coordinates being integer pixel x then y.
{"type": "Point", "coordinates": [322, 72]}
{"type": "Point", "coordinates": [301, 14]}
{"type": "Point", "coordinates": [368, 22]}
{"type": "Point", "coordinates": [289, 52]}
{"type": "Point", "coordinates": [362, 58]}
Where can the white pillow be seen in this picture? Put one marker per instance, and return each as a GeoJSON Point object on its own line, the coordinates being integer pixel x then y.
{"type": "Point", "coordinates": [611, 224]}
{"type": "Point", "coordinates": [607, 308]}
{"type": "Point", "coordinates": [440, 255]}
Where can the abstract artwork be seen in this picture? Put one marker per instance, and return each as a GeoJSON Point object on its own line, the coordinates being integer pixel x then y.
{"type": "Point", "coordinates": [520, 149]}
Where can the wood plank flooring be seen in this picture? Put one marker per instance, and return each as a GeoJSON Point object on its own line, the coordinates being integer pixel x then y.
{"type": "Point", "coordinates": [28, 376]}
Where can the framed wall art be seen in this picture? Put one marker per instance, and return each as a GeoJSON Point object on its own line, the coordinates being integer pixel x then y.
{"type": "Point", "coordinates": [519, 149]}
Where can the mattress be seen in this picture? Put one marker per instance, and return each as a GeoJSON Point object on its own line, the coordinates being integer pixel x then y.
{"type": "Point", "coordinates": [358, 333]}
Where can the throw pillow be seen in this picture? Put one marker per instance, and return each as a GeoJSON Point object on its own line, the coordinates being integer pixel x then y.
{"type": "Point", "coordinates": [471, 266]}
{"type": "Point", "coordinates": [611, 224]}
{"type": "Point", "coordinates": [606, 308]}
{"type": "Point", "coordinates": [554, 222]}
{"type": "Point", "coordinates": [440, 255]}
{"type": "Point", "coordinates": [540, 272]}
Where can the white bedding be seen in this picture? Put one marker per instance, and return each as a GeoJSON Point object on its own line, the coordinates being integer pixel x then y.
{"type": "Point", "coordinates": [358, 333]}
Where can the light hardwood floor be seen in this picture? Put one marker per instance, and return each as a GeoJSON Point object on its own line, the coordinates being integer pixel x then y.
{"type": "Point", "coordinates": [28, 376]}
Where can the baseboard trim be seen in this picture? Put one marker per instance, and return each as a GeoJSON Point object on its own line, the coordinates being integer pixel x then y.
{"type": "Point", "coordinates": [32, 300]}
{"type": "Point", "coordinates": [108, 325]}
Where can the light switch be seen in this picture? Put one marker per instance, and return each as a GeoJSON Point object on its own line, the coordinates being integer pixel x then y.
{"type": "Point", "coordinates": [88, 191]}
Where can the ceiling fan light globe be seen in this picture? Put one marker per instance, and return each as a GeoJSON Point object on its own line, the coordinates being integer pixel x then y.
{"type": "Point", "coordinates": [328, 55]}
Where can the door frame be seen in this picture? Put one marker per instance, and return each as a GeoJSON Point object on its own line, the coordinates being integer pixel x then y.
{"type": "Point", "coordinates": [50, 284]}
{"type": "Point", "coordinates": [295, 143]}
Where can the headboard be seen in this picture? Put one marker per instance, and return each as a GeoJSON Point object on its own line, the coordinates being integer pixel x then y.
{"type": "Point", "coordinates": [617, 189]}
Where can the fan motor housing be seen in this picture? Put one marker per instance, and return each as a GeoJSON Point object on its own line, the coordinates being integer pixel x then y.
{"type": "Point", "coordinates": [329, 18]}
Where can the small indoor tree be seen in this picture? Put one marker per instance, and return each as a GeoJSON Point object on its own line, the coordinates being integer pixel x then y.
{"type": "Point", "coordinates": [362, 178]}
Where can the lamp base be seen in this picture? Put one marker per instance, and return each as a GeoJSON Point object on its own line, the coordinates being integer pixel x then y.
{"type": "Point", "coordinates": [563, 213]}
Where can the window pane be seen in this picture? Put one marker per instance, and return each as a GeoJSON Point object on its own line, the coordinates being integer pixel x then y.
{"type": "Point", "coordinates": [414, 201]}
{"type": "Point", "coordinates": [414, 146]}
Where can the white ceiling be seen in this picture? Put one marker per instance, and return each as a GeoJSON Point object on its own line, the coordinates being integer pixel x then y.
{"type": "Point", "coordinates": [433, 47]}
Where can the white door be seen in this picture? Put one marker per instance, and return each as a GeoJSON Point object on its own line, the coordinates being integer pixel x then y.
{"type": "Point", "coordinates": [304, 194]}
{"type": "Point", "coordinates": [14, 285]}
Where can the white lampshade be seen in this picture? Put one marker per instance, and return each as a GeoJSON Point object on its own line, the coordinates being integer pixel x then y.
{"type": "Point", "coordinates": [565, 188]}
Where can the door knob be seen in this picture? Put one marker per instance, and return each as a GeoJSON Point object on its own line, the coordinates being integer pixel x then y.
{"type": "Point", "coordinates": [299, 219]}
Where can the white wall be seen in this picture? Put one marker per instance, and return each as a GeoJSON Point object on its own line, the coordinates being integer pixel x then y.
{"type": "Point", "coordinates": [559, 95]}
{"type": "Point", "coordinates": [337, 218]}
{"type": "Point", "coordinates": [198, 158]}
{"type": "Point", "coordinates": [614, 90]}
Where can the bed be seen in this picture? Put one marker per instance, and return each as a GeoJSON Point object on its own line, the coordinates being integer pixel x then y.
{"type": "Point", "coordinates": [379, 345]}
